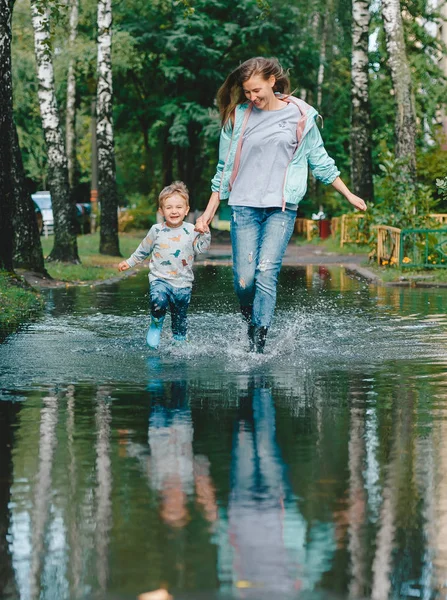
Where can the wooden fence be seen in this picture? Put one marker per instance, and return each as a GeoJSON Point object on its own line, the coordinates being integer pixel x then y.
{"type": "Point", "coordinates": [388, 245]}
{"type": "Point", "coordinates": [441, 218]}
{"type": "Point", "coordinates": [352, 231]}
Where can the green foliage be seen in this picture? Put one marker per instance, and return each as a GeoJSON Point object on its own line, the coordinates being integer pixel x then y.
{"type": "Point", "coordinates": [399, 202]}
{"type": "Point", "coordinates": [137, 219]}
{"type": "Point", "coordinates": [442, 188]}
{"type": "Point", "coordinates": [170, 57]}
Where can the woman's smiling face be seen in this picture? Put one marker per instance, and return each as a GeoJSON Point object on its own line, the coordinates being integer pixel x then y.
{"type": "Point", "coordinates": [259, 90]}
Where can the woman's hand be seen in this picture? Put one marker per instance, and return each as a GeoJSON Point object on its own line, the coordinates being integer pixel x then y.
{"type": "Point", "coordinates": [350, 197]}
{"type": "Point", "coordinates": [357, 202]}
{"type": "Point", "coordinates": [123, 266]}
{"type": "Point", "coordinates": [201, 225]}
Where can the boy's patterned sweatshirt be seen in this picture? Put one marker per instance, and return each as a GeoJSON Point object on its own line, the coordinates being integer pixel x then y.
{"type": "Point", "coordinates": [172, 252]}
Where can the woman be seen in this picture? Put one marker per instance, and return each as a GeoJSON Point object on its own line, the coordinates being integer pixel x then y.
{"type": "Point", "coordinates": [268, 140]}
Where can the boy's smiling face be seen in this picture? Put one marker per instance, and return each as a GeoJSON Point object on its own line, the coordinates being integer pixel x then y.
{"type": "Point", "coordinates": [174, 209]}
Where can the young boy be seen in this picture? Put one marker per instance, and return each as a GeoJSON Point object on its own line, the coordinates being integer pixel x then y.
{"type": "Point", "coordinates": [172, 246]}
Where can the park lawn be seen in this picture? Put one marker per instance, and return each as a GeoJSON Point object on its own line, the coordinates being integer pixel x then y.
{"type": "Point", "coordinates": [17, 303]}
{"type": "Point", "coordinates": [94, 266]}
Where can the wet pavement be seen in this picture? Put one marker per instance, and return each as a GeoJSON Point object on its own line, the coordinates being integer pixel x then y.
{"type": "Point", "coordinates": [315, 471]}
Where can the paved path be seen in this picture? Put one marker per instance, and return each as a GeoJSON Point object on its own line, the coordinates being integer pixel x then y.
{"type": "Point", "coordinates": [309, 254]}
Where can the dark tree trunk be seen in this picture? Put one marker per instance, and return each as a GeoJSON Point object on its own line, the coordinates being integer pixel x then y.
{"type": "Point", "coordinates": [360, 139]}
{"type": "Point", "coordinates": [6, 123]}
{"type": "Point", "coordinates": [27, 246]}
{"type": "Point", "coordinates": [107, 191]}
{"type": "Point", "coordinates": [64, 210]}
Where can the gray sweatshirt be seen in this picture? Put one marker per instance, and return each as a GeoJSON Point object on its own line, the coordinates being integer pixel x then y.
{"type": "Point", "coordinates": [172, 252]}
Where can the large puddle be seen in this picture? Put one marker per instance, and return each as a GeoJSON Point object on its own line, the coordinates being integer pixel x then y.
{"type": "Point", "coordinates": [315, 471]}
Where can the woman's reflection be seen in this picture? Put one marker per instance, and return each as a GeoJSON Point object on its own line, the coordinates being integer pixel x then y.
{"type": "Point", "coordinates": [269, 547]}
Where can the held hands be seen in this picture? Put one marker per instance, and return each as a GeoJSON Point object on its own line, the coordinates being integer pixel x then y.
{"type": "Point", "coordinates": [357, 202]}
{"type": "Point", "coordinates": [123, 266]}
{"type": "Point", "coordinates": [201, 225]}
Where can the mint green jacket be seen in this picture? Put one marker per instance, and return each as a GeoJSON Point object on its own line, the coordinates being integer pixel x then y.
{"type": "Point", "coordinates": [310, 152]}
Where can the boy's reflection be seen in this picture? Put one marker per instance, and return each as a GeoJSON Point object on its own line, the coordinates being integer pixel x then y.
{"type": "Point", "coordinates": [175, 472]}
{"type": "Point", "coordinates": [271, 547]}
{"type": "Point", "coordinates": [172, 468]}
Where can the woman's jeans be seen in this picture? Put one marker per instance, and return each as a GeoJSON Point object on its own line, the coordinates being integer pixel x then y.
{"type": "Point", "coordinates": [259, 237]}
{"type": "Point", "coordinates": [164, 296]}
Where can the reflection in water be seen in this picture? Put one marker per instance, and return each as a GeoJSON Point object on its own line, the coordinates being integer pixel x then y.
{"type": "Point", "coordinates": [273, 549]}
{"type": "Point", "coordinates": [438, 525]}
{"type": "Point", "coordinates": [42, 491]}
{"type": "Point", "coordinates": [357, 511]}
{"type": "Point", "coordinates": [317, 470]}
{"type": "Point", "coordinates": [103, 519]}
{"type": "Point", "coordinates": [8, 588]}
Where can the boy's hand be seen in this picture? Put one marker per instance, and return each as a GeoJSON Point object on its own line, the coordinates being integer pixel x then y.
{"type": "Point", "coordinates": [123, 266]}
{"type": "Point", "coordinates": [201, 225]}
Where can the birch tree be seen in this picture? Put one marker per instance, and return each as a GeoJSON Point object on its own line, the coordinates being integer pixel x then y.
{"type": "Point", "coordinates": [405, 124]}
{"type": "Point", "coordinates": [70, 120]}
{"type": "Point", "coordinates": [360, 138]}
{"type": "Point", "coordinates": [6, 196]}
{"type": "Point", "coordinates": [107, 190]}
{"type": "Point", "coordinates": [65, 244]}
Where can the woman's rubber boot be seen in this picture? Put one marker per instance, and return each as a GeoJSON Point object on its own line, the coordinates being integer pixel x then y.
{"type": "Point", "coordinates": [260, 335]}
{"type": "Point", "coordinates": [247, 314]}
{"type": "Point", "coordinates": [251, 337]}
{"type": "Point", "coordinates": [154, 332]}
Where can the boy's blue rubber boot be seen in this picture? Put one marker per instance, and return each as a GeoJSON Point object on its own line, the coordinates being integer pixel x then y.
{"type": "Point", "coordinates": [154, 332]}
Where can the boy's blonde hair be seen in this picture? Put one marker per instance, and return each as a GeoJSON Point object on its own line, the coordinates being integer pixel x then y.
{"type": "Point", "coordinates": [176, 187]}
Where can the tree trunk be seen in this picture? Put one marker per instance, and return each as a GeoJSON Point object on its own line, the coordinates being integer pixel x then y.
{"type": "Point", "coordinates": [107, 191]}
{"type": "Point", "coordinates": [65, 244]}
{"type": "Point", "coordinates": [405, 126]}
{"type": "Point", "coordinates": [70, 121]}
{"type": "Point", "coordinates": [442, 35]}
{"type": "Point", "coordinates": [27, 247]}
{"type": "Point", "coordinates": [360, 140]}
{"type": "Point", "coordinates": [6, 122]}
{"type": "Point", "coordinates": [322, 59]}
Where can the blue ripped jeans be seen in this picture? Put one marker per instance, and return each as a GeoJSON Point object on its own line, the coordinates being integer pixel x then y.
{"type": "Point", "coordinates": [163, 295]}
{"type": "Point", "coordinates": [259, 237]}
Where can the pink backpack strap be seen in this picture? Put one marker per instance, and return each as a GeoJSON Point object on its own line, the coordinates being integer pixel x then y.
{"type": "Point", "coordinates": [237, 156]}
{"type": "Point", "coordinates": [303, 108]}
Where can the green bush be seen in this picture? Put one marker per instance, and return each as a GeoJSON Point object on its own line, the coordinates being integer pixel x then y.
{"type": "Point", "coordinates": [136, 218]}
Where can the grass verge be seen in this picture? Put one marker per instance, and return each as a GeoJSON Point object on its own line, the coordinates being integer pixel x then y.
{"type": "Point", "coordinates": [94, 266]}
{"type": "Point", "coordinates": [17, 303]}
{"type": "Point", "coordinates": [394, 274]}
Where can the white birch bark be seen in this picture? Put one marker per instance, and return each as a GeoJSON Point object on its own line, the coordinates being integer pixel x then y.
{"type": "Point", "coordinates": [70, 121]}
{"type": "Point", "coordinates": [442, 34]}
{"type": "Point", "coordinates": [360, 138]}
{"type": "Point", "coordinates": [322, 65]}
{"type": "Point", "coordinates": [405, 126]}
{"type": "Point", "coordinates": [65, 245]}
{"type": "Point", "coordinates": [107, 192]}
